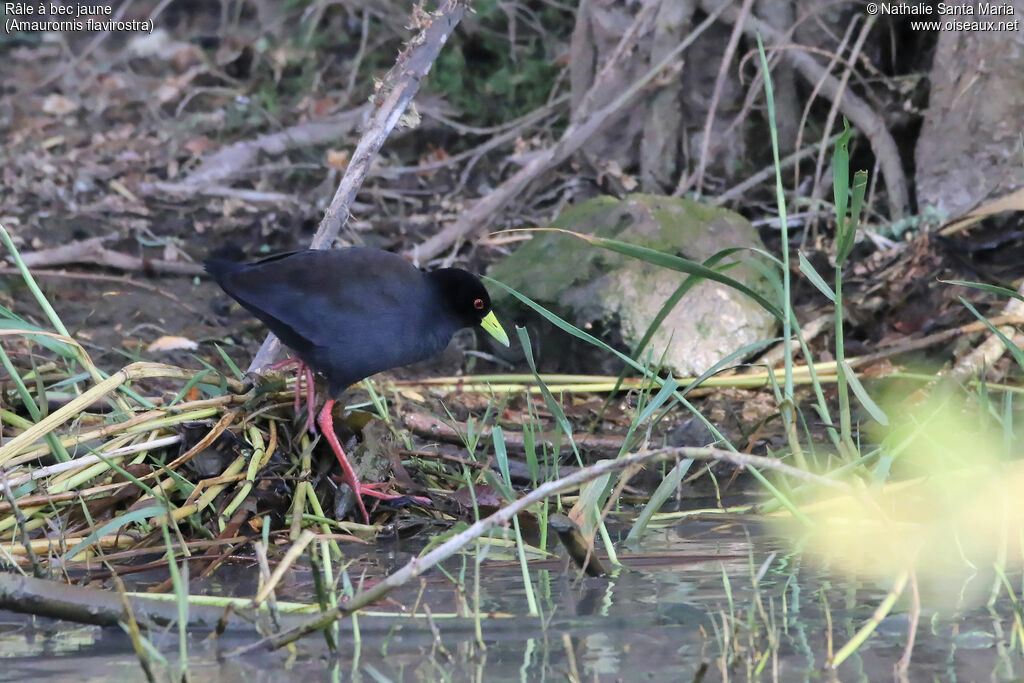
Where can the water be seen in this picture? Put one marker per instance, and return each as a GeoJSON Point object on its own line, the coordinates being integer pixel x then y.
{"type": "Point", "coordinates": [668, 617]}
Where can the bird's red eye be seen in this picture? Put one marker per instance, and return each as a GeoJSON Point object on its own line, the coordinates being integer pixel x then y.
{"type": "Point", "coordinates": [478, 304]}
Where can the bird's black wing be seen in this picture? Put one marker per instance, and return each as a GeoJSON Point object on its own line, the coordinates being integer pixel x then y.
{"type": "Point", "coordinates": [324, 298]}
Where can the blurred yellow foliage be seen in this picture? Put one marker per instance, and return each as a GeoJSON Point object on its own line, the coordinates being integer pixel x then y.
{"type": "Point", "coordinates": [954, 504]}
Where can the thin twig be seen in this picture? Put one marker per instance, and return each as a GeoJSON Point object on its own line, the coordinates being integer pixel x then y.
{"type": "Point", "coordinates": [716, 96]}
{"type": "Point", "coordinates": [855, 51]}
{"type": "Point", "coordinates": [913, 617]}
{"type": "Point", "coordinates": [856, 109]}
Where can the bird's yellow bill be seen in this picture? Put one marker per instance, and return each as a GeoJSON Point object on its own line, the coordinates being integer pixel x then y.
{"type": "Point", "coordinates": [493, 327]}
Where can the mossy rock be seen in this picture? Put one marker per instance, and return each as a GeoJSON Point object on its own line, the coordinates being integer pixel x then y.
{"type": "Point", "coordinates": [588, 285]}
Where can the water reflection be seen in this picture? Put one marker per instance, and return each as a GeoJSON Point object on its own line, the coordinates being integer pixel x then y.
{"type": "Point", "coordinates": [662, 617]}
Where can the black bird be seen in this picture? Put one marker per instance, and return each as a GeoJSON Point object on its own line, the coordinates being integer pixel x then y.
{"type": "Point", "coordinates": [351, 313]}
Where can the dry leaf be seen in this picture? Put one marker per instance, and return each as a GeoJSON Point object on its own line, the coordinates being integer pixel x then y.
{"type": "Point", "coordinates": [1011, 202]}
{"type": "Point", "coordinates": [322, 106]}
{"type": "Point", "coordinates": [170, 343]}
{"type": "Point", "coordinates": [412, 395]}
{"type": "Point", "coordinates": [199, 145]}
{"type": "Point", "coordinates": [59, 105]}
{"type": "Point", "coordinates": [337, 158]}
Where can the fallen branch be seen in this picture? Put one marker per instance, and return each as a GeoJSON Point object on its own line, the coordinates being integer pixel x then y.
{"type": "Point", "coordinates": [59, 600]}
{"type": "Point", "coordinates": [100, 277]}
{"type": "Point", "coordinates": [80, 604]}
{"type": "Point", "coordinates": [231, 160]}
{"type": "Point", "coordinates": [431, 427]}
{"type": "Point", "coordinates": [93, 252]}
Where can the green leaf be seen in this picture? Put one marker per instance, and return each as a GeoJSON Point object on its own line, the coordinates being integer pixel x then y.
{"type": "Point", "coordinates": [565, 326]}
{"type": "Point", "coordinates": [63, 349]}
{"type": "Point", "coordinates": [841, 177]}
{"type": "Point", "coordinates": [113, 525]}
{"type": "Point", "coordinates": [849, 235]}
{"type": "Point", "coordinates": [992, 289]}
{"type": "Point", "coordinates": [807, 269]}
{"type": "Point", "coordinates": [860, 184]}
{"type": "Point", "coordinates": [670, 303]}
{"type": "Point", "coordinates": [501, 455]}
{"type": "Point", "coordinates": [664, 394]}
{"type": "Point", "coordinates": [196, 379]}
{"type": "Point", "coordinates": [665, 489]}
{"type": "Point", "coordinates": [554, 406]}
{"type": "Point", "coordinates": [1010, 346]}
{"type": "Point", "coordinates": [862, 395]}
{"type": "Point", "coordinates": [230, 363]}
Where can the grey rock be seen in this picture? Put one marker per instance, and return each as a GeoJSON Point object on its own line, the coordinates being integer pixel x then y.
{"type": "Point", "coordinates": [591, 286]}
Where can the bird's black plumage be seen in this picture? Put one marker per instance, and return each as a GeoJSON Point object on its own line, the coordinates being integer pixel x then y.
{"type": "Point", "coordinates": [350, 313]}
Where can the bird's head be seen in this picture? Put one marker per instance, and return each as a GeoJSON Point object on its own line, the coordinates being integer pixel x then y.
{"type": "Point", "coordinates": [468, 300]}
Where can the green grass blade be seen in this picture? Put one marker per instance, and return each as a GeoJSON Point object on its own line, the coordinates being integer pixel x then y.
{"type": "Point", "coordinates": [196, 379]}
{"type": "Point", "coordinates": [670, 303]}
{"type": "Point", "coordinates": [730, 361]}
{"type": "Point", "coordinates": [841, 177]}
{"type": "Point", "coordinates": [566, 326]}
{"type": "Point", "coordinates": [788, 406]}
{"type": "Point", "coordinates": [807, 269]}
{"type": "Point", "coordinates": [554, 406]}
{"type": "Point", "coordinates": [501, 455]}
{"type": "Point", "coordinates": [33, 287]}
{"type": "Point", "coordinates": [862, 395]}
{"type": "Point", "coordinates": [34, 410]}
{"type": "Point", "coordinates": [1017, 354]}
{"type": "Point", "coordinates": [665, 393]}
{"type": "Point", "coordinates": [991, 289]}
{"type": "Point", "coordinates": [591, 339]}
{"type": "Point", "coordinates": [113, 525]}
{"type": "Point", "coordinates": [181, 594]}
{"type": "Point", "coordinates": [672, 262]}
{"type": "Point", "coordinates": [665, 489]}
{"type": "Point", "coordinates": [860, 184]}
{"type": "Point", "coordinates": [63, 349]}
{"type": "Point", "coordinates": [230, 363]}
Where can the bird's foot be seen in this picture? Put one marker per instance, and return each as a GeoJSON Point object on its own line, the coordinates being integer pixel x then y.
{"type": "Point", "coordinates": [372, 489]}
{"type": "Point", "coordinates": [302, 373]}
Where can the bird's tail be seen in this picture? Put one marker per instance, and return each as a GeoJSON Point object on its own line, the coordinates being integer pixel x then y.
{"type": "Point", "coordinates": [219, 268]}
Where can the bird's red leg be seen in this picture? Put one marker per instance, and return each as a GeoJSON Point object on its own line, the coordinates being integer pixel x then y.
{"type": "Point", "coordinates": [326, 422]}
{"type": "Point", "coordinates": [302, 372]}
{"type": "Point", "coordinates": [298, 383]}
{"type": "Point", "coordinates": [283, 363]}
{"type": "Point", "coordinates": [310, 408]}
